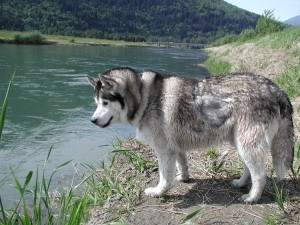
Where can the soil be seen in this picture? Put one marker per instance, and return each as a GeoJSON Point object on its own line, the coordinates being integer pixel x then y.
{"type": "Point", "coordinates": [209, 189]}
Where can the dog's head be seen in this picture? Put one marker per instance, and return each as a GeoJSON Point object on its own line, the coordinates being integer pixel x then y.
{"type": "Point", "coordinates": [117, 96]}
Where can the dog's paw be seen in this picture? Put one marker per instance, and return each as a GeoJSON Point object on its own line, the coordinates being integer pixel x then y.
{"type": "Point", "coordinates": [153, 192]}
{"type": "Point", "coordinates": [247, 199]}
{"type": "Point", "coordinates": [236, 183]}
{"type": "Point", "coordinates": [182, 178]}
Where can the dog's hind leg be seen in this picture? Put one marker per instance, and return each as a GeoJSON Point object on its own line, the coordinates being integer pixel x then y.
{"type": "Point", "coordinates": [166, 164]}
{"type": "Point", "coordinates": [242, 181]}
{"type": "Point", "coordinates": [182, 167]}
{"type": "Point", "coordinates": [253, 147]}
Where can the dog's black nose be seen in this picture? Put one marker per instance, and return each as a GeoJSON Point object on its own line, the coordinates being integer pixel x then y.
{"type": "Point", "coordinates": [94, 121]}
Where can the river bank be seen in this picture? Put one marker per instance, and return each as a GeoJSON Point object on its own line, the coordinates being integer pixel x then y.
{"type": "Point", "coordinates": [8, 37]}
{"type": "Point", "coordinates": [209, 198]}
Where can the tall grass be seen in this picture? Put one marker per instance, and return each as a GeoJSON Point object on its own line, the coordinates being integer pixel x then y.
{"type": "Point", "coordinates": [35, 38]}
{"type": "Point", "coordinates": [3, 111]}
{"type": "Point", "coordinates": [38, 205]}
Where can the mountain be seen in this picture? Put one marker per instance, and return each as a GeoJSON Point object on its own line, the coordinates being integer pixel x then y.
{"type": "Point", "coordinates": [135, 20]}
{"type": "Point", "coordinates": [295, 21]}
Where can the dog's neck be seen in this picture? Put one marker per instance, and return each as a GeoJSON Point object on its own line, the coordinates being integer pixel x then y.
{"type": "Point", "coordinates": [147, 79]}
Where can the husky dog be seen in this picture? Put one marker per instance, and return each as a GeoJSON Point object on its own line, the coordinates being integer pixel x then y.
{"type": "Point", "coordinates": [176, 114]}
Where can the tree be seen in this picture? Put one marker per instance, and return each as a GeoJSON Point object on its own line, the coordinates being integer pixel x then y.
{"type": "Point", "coordinates": [267, 23]}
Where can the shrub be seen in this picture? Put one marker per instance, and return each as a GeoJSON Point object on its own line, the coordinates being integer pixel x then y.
{"type": "Point", "coordinates": [267, 24]}
{"type": "Point", "coordinates": [247, 34]}
{"type": "Point", "coordinates": [29, 38]}
{"type": "Point", "coordinates": [228, 38]}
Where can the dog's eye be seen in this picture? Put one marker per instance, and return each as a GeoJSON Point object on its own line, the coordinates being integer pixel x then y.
{"type": "Point", "coordinates": [105, 103]}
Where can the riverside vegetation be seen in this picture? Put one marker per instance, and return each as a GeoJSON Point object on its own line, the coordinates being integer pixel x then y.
{"type": "Point", "coordinates": [112, 192]}
{"type": "Point", "coordinates": [35, 37]}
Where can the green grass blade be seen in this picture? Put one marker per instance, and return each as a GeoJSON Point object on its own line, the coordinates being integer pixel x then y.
{"type": "Point", "coordinates": [3, 212]}
{"type": "Point", "coordinates": [190, 216]}
{"type": "Point", "coordinates": [49, 153]}
{"type": "Point", "coordinates": [2, 116]}
{"type": "Point", "coordinates": [56, 170]}
{"type": "Point", "coordinates": [37, 200]}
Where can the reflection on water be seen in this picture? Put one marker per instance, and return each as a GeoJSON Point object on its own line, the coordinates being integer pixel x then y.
{"type": "Point", "coordinates": [51, 103]}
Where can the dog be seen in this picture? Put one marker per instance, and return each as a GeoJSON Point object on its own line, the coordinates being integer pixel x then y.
{"type": "Point", "coordinates": [175, 114]}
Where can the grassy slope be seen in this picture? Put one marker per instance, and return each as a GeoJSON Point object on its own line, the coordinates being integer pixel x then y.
{"type": "Point", "coordinates": [276, 56]}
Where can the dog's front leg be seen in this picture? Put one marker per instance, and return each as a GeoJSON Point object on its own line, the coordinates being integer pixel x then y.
{"type": "Point", "coordinates": [166, 164]}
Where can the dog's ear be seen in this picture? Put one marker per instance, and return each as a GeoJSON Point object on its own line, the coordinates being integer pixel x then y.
{"type": "Point", "coordinates": [93, 81]}
{"type": "Point", "coordinates": [107, 83]}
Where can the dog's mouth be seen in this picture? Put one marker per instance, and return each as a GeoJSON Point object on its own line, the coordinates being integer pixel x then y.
{"type": "Point", "coordinates": [107, 124]}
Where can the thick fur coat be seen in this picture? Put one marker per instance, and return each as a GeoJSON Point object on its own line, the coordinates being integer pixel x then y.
{"type": "Point", "coordinates": [176, 114]}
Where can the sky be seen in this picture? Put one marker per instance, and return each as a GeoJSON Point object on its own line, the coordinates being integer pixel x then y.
{"type": "Point", "coordinates": [283, 9]}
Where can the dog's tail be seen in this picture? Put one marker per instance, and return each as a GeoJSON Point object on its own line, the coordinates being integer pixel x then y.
{"type": "Point", "coordinates": [282, 148]}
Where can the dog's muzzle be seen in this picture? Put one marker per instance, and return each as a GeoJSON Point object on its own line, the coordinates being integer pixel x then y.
{"type": "Point", "coordinates": [95, 121]}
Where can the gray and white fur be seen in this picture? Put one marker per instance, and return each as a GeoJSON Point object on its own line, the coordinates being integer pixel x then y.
{"type": "Point", "coordinates": [176, 114]}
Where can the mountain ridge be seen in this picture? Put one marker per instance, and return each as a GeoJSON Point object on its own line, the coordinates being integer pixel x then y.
{"type": "Point", "coordinates": [295, 21]}
{"type": "Point", "coordinates": [199, 21]}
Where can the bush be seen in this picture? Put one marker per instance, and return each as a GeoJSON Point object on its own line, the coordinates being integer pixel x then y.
{"type": "Point", "coordinates": [247, 34]}
{"type": "Point", "coordinates": [29, 38]}
{"type": "Point", "coordinates": [228, 38]}
{"type": "Point", "coordinates": [267, 24]}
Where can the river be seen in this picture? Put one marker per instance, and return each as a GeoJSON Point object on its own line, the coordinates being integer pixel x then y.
{"type": "Point", "coordinates": [50, 103]}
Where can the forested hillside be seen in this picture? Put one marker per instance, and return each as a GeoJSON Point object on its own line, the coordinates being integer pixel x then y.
{"type": "Point", "coordinates": [134, 20]}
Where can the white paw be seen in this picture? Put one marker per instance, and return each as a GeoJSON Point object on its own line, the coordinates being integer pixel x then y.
{"type": "Point", "coordinates": [236, 183]}
{"type": "Point", "coordinates": [248, 199]}
{"type": "Point", "coordinates": [182, 178]}
{"type": "Point", "coordinates": [153, 192]}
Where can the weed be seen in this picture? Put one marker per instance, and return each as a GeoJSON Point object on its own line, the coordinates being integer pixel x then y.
{"type": "Point", "coordinates": [29, 38]}
{"type": "Point", "coordinates": [114, 184]}
{"type": "Point", "coordinates": [189, 217]}
{"type": "Point", "coordinates": [44, 207]}
{"type": "Point", "coordinates": [279, 195]}
{"type": "Point", "coordinates": [289, 81]}
{"type": "Point", "coordinates": [3, 111]}
{"type": "Point", "coordinates": [217, 66]}
{"type": "Point", "coordinates": [271, 218]}
{"type": "Point", "coordinates": [214, 161]}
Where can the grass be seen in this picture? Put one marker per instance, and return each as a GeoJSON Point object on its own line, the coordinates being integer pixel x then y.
{"type": "Point", "coordinates": [289, 81]}
{"type": "Point", "coordinates": [33, 38]}
{"type": "Point", "coordinates": [5, 102]}
{"type": "Point", "coordinates": [217, 66]}
{"type": "Point", "coordinates": [107, 184]}
{"type": "Point", "coordinates": [43, 208]}
{"type": "Point", "coordinates": [114, 184]}
{"type": "Point", "coordinates": [39, 205]}
{"type": "Point", "coordinates": [8, 36]}
{"type": "Point", "coordinates": [286, 39]}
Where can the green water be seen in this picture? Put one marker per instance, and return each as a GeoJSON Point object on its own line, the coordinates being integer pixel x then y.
{"type": "Point", "coordinates": [51, 103]}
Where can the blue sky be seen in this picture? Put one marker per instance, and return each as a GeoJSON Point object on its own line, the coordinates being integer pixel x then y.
{"type": "Point", "coordinates": [283, 9]}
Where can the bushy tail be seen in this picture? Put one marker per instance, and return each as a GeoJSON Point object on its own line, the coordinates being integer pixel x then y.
{"type": "Point", "coordinates": [283, 148]}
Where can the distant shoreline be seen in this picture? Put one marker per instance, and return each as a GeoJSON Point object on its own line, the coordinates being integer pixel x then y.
{"type": "Point", "coordinates": [7, 37]}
